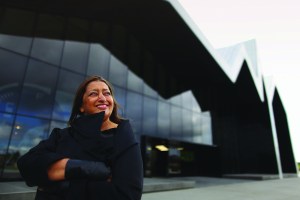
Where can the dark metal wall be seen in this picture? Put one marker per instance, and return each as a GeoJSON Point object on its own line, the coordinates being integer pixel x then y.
{"type": "Point", "coordinates": [284, 140]}
{"type": "Point", "coordinates": [242, 128]}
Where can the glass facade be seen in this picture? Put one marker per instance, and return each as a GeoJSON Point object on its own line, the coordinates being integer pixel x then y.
{"type": "Point", "coordinates": [39, 76]}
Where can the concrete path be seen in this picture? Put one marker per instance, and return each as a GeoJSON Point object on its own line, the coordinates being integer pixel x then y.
{"type": "Point", "coordinates": [193, 188]}
{"type": "Point", "coordinates": [278, 189]}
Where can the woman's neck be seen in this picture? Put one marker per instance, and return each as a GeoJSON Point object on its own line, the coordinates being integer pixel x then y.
{"type": "Point", "coordinates": [108, 125]}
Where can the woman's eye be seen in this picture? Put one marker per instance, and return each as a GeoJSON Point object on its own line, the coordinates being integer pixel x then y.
{"type": "Point", "coordinates": [93, 94]}
{"type": "Point", "coordinates": [106, 93]}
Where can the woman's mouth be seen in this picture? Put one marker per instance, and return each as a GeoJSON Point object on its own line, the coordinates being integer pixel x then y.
{"type": "Point", "coordinates": [102, 107]}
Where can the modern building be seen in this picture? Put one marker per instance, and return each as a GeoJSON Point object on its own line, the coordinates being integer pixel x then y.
{"type": "Point", "coordinates": [195, 110]}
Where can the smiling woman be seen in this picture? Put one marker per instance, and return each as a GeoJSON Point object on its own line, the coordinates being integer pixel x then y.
{"type": "Point", "coordinates": [98, 152]}
{"type": "Point", "coordinates": [97, 98]}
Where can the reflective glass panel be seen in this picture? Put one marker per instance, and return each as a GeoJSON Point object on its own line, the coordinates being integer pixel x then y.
{"type": "Point", "coordinates": [47, 50]}
{"type": "Point", "coordinates": [187, 128]}
{"type": "Point", "coordinates": [16, 43]}
{"type": "Point", "coordinates": [120, 96]}
{"type": "Point", "coordinates": [75, 56]}
{"type": "Point", "coordinates": [98, 62]}
{"type": "Point", "coordinates": [27, 132]}
{"type": "Point", "coordinates": [187, 99]}
{"type": "Point", "coordinates": [6, 122]}
{"type": "Point", "coordinates": [149, 91]}
{"type": "Point", "coordinates": [176, 100]}
{"type": "Point", "coordinates": [134, 82]}
{"type": "Point", "coordinates": [163, 119]}
{"type": "Point", "coordinates": [197, 128]}
{"type": "Point", "coordinates": [150, 116]}
{"type": "Point", "coordinates": [176, 122]}
{"type": "Point", "coordinates": [38, 90]}
{"type": "Point", "coordinates": [206, 128]}
{"type": "Point", "coordinates": [134, 110]}
{"type": "Point", "coordinates": [118, 72]}
{"type": "Point", "coordinates": [12, 71]}
{"type": "Point", "coordinates": [66, 88]}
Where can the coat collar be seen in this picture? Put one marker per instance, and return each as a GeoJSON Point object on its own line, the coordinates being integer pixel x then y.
{"type": "Point", "coordinates": [89, 124]}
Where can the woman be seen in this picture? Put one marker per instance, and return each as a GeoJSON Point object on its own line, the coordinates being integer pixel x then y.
{"type": "Point", "coordinates": [95, 157]}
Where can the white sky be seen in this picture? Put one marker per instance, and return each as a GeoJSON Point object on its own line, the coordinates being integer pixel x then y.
{"type": "Point", "coordinates": [275, 25]}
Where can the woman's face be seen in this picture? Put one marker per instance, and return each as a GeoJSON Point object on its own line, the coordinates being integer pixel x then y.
{"type": "Point", "coordinates": [97, 98]}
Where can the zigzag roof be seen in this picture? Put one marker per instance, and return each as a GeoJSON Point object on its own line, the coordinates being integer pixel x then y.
{"type": "Point", "coordinates": [231, 58]}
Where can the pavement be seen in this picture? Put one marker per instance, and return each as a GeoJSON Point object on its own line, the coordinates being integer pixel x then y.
{"type": "Point", "coordinates": [245, 187]}
{"type": "Point", "coordinates": [233, 189]}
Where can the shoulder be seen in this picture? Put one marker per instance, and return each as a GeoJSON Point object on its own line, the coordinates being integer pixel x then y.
{"type": "Point", "coordinates": [58, 133]}
{"type": "Point", "coordinates": [125, 127]}
{"type": "Point", "coordinates": [124, 123]}
{"type": "Point", "coordinates": [125, 136]}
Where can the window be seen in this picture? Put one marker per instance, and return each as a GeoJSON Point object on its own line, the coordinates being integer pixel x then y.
{"type": "Point", "coordinates": [150, 116]}
{"type": "Point", "coordinates": [134, 110]}
{"type": "Point", "coordinates": [98, 62]}
{"type": "Point", "coordinates": [66, 88]}
{"type": "Point", "coordinates": [163, 119]}
{"type": "Point", "coordinates": [12, 70]}
{"type": "Point", "coordinates": [38, 90]}
{"type": "Point", "coordinates": [75, 56]}
{"type": "Point", "coordinates": [118, 72]}
{"type": "Point", "coordinates": [47, 50]}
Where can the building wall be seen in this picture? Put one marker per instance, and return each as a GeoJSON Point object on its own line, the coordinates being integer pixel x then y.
{"type": "Point", "coordinates": [45, 51]}
{"type": "Point", "coordinates": [39, 76]}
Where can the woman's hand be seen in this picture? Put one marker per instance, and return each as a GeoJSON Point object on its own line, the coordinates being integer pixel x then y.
{"type": "Point", "coordinates": [56, 171]}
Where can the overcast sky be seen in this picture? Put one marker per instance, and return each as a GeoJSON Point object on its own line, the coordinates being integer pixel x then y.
{"type": "Point", "coordinates": [275, 25]}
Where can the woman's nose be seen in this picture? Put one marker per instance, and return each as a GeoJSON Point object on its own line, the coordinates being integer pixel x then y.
{"type": "Point", "coordinates": [101, 97]}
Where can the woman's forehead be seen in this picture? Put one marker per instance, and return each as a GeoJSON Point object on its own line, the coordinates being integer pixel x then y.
{"type": "Point", "coordinates": [96, 85]}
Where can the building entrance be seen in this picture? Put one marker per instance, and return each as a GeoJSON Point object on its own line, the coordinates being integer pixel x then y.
{"type": "Point", "coordinates": [163, 157]}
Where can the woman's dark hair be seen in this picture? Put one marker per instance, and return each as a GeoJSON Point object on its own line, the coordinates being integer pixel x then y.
{"type": "Point", "coordinates": [77, 103]}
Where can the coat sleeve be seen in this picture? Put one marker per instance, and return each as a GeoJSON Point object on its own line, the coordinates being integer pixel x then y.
{"type": "Point", "coordinates": [33, 165]}
{"type": "Point", "coordinates": [127, 178]}
{"type": "Point", "coordinates": [129, 173]}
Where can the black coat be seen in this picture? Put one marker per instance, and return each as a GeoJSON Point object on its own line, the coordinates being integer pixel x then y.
{"type": "Point", "coordinates": [84, 141]}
